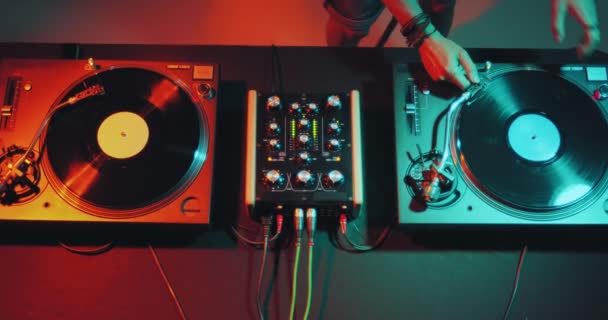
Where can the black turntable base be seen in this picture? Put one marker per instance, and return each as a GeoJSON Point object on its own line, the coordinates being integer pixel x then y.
{"type": "Point", "coordinates": [128, 141]}
{"type": "Point", "coordinates": [529, 147]}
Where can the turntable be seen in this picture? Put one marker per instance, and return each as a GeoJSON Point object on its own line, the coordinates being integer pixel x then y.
{"type": "Point", "coordinates": [528, 146]}
{"type": "Point", "coordinates": [107, 141]}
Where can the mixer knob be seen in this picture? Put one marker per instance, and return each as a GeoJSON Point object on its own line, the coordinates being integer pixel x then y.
{"type": "Point", "coordinates": [304, 141]}
{"type": "Point", "coordinates": [312, 108]}
{"type": "Point", "coordinates": [333, 103]}
{"type": "Point", "coordinates": [274, 145]}
{"type": "Point", "coordinates": [303, 158]}
{"type": "Point", "coordinates": [304, 124]}
{"type": "Point", "coordinates": [295, 108]}
{"type": "Point", "coordinates": [273, 103]}
{"type": "Point", "coordinates": [332, 179]}
{"type": "Point", "coordinates": [601, 92]}
{"type": "Point", "coordinates": [334, 145]}
{"type": "Point", "coordinates": [273, 128]}
{"type": "Point", "coordinates": [334, 128]}
{"type": "Point", "coordinates": [304, 178]}
{"type": "Point", "coordinates": [274, 179]}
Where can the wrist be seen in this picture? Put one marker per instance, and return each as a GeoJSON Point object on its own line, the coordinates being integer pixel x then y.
{"type": "Point", "coordinates": [418, 29]}
{"type": "Point", "coordinates": [433, 34]}
{"type": "Point", "coordinates": [430, 35]}
{"type": "Point", "coordinates": [432, 38]}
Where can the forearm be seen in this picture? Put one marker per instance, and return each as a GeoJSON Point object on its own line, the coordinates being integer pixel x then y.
{"type": "Point", "coordinates": [403, 10]}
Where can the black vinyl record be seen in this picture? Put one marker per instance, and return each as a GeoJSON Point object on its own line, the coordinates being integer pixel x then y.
{"type": "Point", "coordinates": [129, 148]}
{"type": "Point", "coordinates": [534, 141]}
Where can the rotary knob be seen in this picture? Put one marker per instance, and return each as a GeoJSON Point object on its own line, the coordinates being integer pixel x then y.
{"type": "Point", "coordinates": [303, 124]}
{"type": "Point", "coordinates": [274, 179]}
{"type": "Point", "coordinates": [304, 178]}
{"type": "Point", "coordinates": [334, 145]}
{"type": "Point", "coordinates": [273, 103]}
{"type": "Point", "coordinates": [304, 141]}
{"type": "Point", "coordinates": [601, 92]}
{"type": "Point", "coordinates": [273, 128]}
{"type": "Point", "coordinates": [312, 108]}
{"type": "Point", "coordinates": [334, 128]}
{"type": "Point", "coordinates": [295, 108]}
{"type": "Point", "coordinates": [334, 103]}
{"type": "Point", "coordinates": [206, 91]}
{"type": "Point", "coordinates": [332, 179]}
{"type": "Point", "coordinates": [303, 158]}
{"type": "Point", "coordinates": [274, 145]}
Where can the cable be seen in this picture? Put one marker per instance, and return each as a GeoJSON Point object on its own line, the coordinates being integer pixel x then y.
{"type": "Point", "coordinates": [294, 282]}
{"type": "Point", "coordinates": [387, 33]}
{"type": "Point", "coordinates": [167, 283]}
{"type": "Point", "coordinates": [298, 224]}
{"type": "Point", "coordinates": [311, 228]}
{"type": "Point", "coordinates": [273, 81]}
{"type": "Point", "coordinates": [267, 224]}
{"type": "Point", "coordinates": [277, 73]}
{"type": "Point", "coordinates": [279, 229]}
{"type": "Point", "coordinates": [364, 248]}
{"type": "Point", "coordinates": [522, 256]}
{"type": "Point", "coordinates": [358, 248]}
{"type": "Point", "coordinates": [309, 297]}
{"type": "Point", "coordinates": [253, 242]}
{"type": "Point", "coordinates": [91, 252]}
{"type": "Point", "coordinates": [261, 271]}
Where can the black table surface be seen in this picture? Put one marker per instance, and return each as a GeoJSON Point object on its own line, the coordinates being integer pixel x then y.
{"type": "Point", "coordinates": [429, 274]}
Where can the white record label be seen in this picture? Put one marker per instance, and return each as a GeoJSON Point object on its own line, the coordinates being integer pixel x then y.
{"type": "Point", "coordinates": [123, 135]}
{"type": "Point", "coordinates": [534, 137]}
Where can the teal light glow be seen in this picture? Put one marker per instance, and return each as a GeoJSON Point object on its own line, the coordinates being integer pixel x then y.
{"type": "Point", "coordinates": [571, 193]}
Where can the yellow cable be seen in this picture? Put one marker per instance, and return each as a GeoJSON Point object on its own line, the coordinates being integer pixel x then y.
{"type": "Point", "coordinates": [294, 284]}
{"type": "Point", "coordinates": [309, 298]}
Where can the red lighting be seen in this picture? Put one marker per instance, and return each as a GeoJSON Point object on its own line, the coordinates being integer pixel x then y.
{"type": "Point", "coordinates": [163, 93]}
{"type": "Point", "coordinates": [81, 176]}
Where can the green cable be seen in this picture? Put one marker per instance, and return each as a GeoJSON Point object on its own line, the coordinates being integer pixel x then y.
{"type": "Point", "coordinates": [294, 284]}
{"type": "Point", "coordinates": [309, 298]}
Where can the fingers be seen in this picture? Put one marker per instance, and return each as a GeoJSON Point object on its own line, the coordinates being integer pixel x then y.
{"type": "Point", "coordinates": [469, 66]}
{"type": "Point", "coordinates": [558, 14]}
{"type": "Point", "coordinates": [465, 71]}
{"type": "Point", "coordinates": [445, 60]}
{"type": "Point", "coordinates": [460, 79]}
{"type": "Point", "coordinates": [456, 74]}
{"type": "Point", "coordinates": [585, 13]}
{"type": "Point", "coordinates": [591, 39]}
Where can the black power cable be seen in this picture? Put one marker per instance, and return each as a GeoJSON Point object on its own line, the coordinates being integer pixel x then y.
{"type": "Point", "coordinates": [387, 33]}
{"type": "Point", "coordinates": [261, 272]}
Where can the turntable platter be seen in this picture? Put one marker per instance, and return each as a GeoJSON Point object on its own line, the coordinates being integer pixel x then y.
{"type": "Point", "coordinates": [130, 150]}
{"type": "Point", "coordinates": [535, 142]}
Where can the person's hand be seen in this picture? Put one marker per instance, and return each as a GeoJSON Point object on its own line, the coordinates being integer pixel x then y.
{"type": "Point", "coordinates": [443, 59]}
{"type": "Point", "coordinates": [585, 13]}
